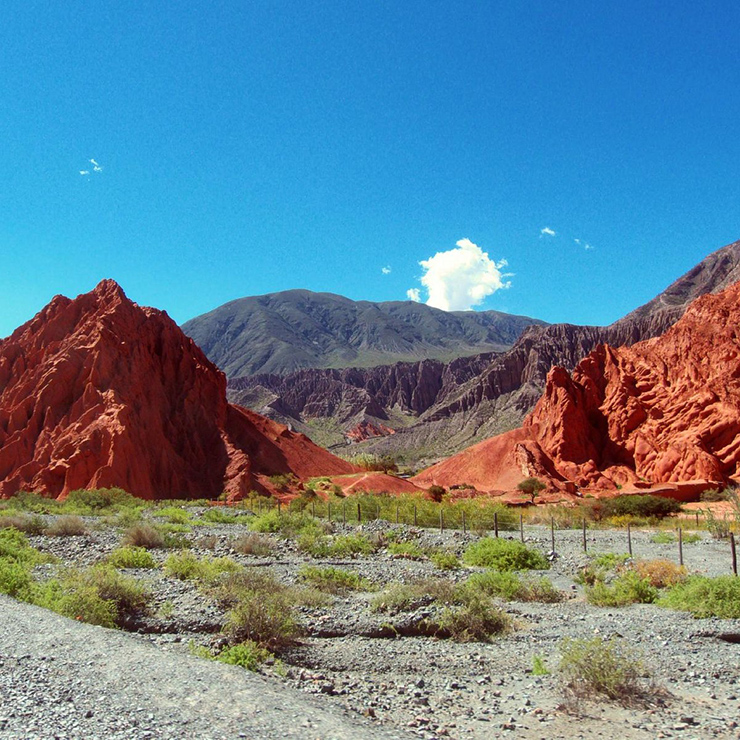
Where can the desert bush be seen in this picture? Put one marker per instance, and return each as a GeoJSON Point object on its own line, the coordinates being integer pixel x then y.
{"type": "Point", "coordinates": [382, 463]}
{"type": "Point", "coordinates": [66, 526]}
{"type": "Point", "coordinates": [15, 578]}
{"type": "Point", "coordinates": [99, 595]}
{"type": "Point", "coordinates": [310, 597]}
{"type": "Point", "coordinates": [131, 557]}
{"type": "Point", "coordinates": [501, 554]}
{"type": "Point", "coordinates": [321, 546]}
{"type": "Point", "coordinates": [663, 538]}
{"type": "Point", "coordinates": [143, 535]}
{"type": "Point", "coordinates": [253, 544]}
{"type": "Point", "coordinates": [713, 494]}
{"type": "Point", "coordinates": [445, 560]}
{"type": "Point", "coordinates": [705, 597]}
{"type": "Point", "coordinates": [219, 515]}
{"type": "Point", "coordinates": [539, 667]}
{"type": "Point", "coordinates": [660, 573]}
{"type": "Point", "coordinates": [600, 567]}
{"type": "Point", "coordinates": [628, 588]}
{"type": "Point", "coordinates": [509, 586]}
{"type": "Point", "coordinates": [187, 567]}
{"type": "Point", "coordinates": [95, 502]}
{"type": "Point", "coordinates": [33, 502]}
{"type": "Point", "coordinates": [174, 515]}
{"type": "Point", "coordinates": [263, 617]}
{"type": "Point", "coordinates": [287, 523]}
{"type": "Point", "coordinates": [207, 542]}
{"type": "Point", "coordinates": [408, 550]}
{"type": "Point", "coordinates": [593, 668]}
{"type": "Point", "coordinates": [645, 507]}
{"type": "Point", "coordinates": [477, 620]}
{"type": "Point", "coordinates": [27, 524]}
{"type": "Point", "coordinates": [14, 546]}
{"type": "Point", "coordinates": [333, 580]}
{"type": "Point", "coordinates": [248, 655]}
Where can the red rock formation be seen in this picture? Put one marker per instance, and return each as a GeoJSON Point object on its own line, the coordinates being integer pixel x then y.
{"type": "Point", "coordinates": [367, 430]}
{"type": "Point", "coordinates": [664, 410]}
{"type": "Point", "coordinates": [98, 392]}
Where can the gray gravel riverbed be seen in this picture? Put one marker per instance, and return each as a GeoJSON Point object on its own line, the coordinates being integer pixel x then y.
{"type": "Point", "coordinates": [63, 679]}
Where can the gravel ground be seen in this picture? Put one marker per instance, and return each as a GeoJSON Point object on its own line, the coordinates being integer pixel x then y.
{"type": "Point", "coordinates": [346, 680]}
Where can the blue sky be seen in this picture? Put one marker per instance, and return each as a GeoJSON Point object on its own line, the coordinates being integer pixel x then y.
{"type": "Point", "coordinates": [251, 147]}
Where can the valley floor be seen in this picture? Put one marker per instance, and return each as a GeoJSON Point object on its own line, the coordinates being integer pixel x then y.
{"type": "Point", "coordinates": [348, 676]}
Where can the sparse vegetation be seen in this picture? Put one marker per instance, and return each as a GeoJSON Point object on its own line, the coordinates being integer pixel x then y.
{"type": "Point", "coordinates": [333, 580]}
{"type": "Point", "coordinates": [510, 587]}
{"type": "Point", "coordinates": [596, 668]}
{"type": "Point", "coordinates": [409, 550]}
{"type": "Point", "coordinates": [253, 544]}
{"type": "Point", "coordinates": [131, 557]}
{"type": "Point", "coordinates": [66, 526]}
{"type": "Point", "coordinates": [23, 523]}
{"type": "Point", "coordinates": [705, 597]}
{"type": "Point", "coordinates": [501, 554]}
{"type": "Point", "coordinates": [187, 567]}
{"type": "Point", "coordinates": [628, 588]}
{"type": "Point", "coordinates": [143, 535]}
{"type": "Point", "coordinates": [476, 620]}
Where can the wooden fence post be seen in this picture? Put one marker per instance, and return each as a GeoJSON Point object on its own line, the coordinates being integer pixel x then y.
{"type": "Point", "coordinates": [463, 522]}
{"type": "Point", "coordinates": [552, 532]}
{"type": "Point", "coordinates": [495, 523]}
{"type": "Point", "coordinates": [734, 552]}
{"type": "Point", "coordinates": [521, 527]}
{"type": "Point", "coordinates": [441, 519]}
{"type": "Point", "coordinates": [629, 540]}
{"type": "Point", "coordinates": [585, 546]}
{"type": "Point", "coordinates": [414, 514]}
{"type": "Point", "coordinates": [359, 513]}
{"type": "Point", "coordinates": [680, 546]}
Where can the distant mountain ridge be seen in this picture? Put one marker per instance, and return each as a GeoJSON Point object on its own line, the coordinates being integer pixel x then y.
{"type": "Point", "coordinates": [280, 333]}
{"type": "Point", "coordinates": [477, 399]}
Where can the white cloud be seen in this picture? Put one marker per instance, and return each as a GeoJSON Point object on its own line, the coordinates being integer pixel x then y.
{"type": "Point", "coordinates": [577, 241]}
{"type": "Point", "coordinates": [95, 168]}
{"type": "Point", "coordinates": [460, 278]}
{"type": "Point", "coordinates": [386, 270]}
{"type": "Point", "coordinates": [84, 172]}
{"type": "Point", "coordinates": [587, 246]}
{"type": "Point", "coordinates": [547, 231]}
{"type": "Point", "coordinates": [413, 295]}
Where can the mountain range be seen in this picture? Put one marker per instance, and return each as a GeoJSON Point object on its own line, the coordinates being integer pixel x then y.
{"type": "Point", "coordinates": [283, 332]}
{"type": "Point", "coordinates": [421, 411]}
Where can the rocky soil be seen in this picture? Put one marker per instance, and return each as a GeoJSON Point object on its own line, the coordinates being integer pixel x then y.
{"type": "Point", "coordinates": [353, 667]}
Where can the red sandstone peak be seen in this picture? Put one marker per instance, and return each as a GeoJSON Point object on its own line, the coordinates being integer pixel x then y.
{"type": "Point", "coordinates": [98, 391]}
{"type": "Point", "coordinates": [666, 410]}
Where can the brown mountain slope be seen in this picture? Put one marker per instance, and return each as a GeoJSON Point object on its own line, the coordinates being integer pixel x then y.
{"type": "Point", "coordinates": [662, 410]}
{"type": "Point", "coordinates": [98, 391]}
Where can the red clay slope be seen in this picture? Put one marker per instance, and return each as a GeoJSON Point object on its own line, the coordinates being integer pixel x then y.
{"type": "Point", "coordinates": [98, 392]}
{"type": "Point", "coordinates": [663, 410]}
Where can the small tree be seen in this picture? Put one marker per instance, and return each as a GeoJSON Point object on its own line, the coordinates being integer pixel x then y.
{"type": "Point", "coordinates": [531, 487]}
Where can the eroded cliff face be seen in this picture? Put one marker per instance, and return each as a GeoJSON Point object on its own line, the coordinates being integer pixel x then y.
{"type": "Point", "coordinates": [98, 391]}
{"type": "Point", "coordinates": [664, 410]}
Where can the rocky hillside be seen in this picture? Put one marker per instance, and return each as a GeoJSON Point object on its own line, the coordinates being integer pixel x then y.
{"type": "Point", "coordinates": [662, 410]}
{"type": "Point", "coordinates": [282, 332]}
{"type": "Point", "coordinates": [470, 399]}
{"type": "Point", "coordinates": [98, 392]}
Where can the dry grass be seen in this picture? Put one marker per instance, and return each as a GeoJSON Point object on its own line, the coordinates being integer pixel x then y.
{"type": "Point", "coordinates": [66, 526]}
{"type": "Point", "coordinates": [143, 535]}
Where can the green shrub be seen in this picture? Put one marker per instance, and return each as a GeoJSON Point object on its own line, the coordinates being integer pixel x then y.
{"type": "Point", "coordinates": [705, 597]}
{"type": "Point", "coordinates": [501, 554]}
{"type": "Point", "coordinates": [287, 523]}
{"type": "Point", "coordinates": [713, 494]}
{"type": "Point", "coordinates": [248, 655]}
{"type": "Point", "coordinates": [314, 542]}
{"type": "Point", "coordinates": [263, 617]}
{"type": "Point", "coordinates": [14, 547]}
{"type": "Point", "coordinates": [131, 557]}
{"type": "Point", "coordinates": [333, 580]}
{"type": "Point", "coordinates": [187, 567]}
{"type": "Point", "coordinates": [510, 587]}
{"type": "Point", "coordinates": [66, 526]}
{"type": "Point", "coordinates": [539, 667]}
{"type": "Point", "coordinates": [663, 538]}
{"type": "Point", "coordinates": [647, 507]}
{"type": "Point", "coordinates": [174, 515]}
{"type": "Point", "coordinates": [99, 595]}
{"type": "Point", "coordinates": [219, 515]}
{"type": "Point", "coordinates": [97, 501]}
{"type": "Point", "coordinates": [598, 668]}
{"type": "Point", "coordinates": [477, 620]}
{"type": "Point", "coordinates": [408, 550]}
{"type": "Point", "coordinates": [531, 487]}
{"type": "Point", "coordinates": [628, 588]}
{"type": "Point", "coordinates": [15, 578]}
{"type": "Point", "coordinates": [400, 597]}
{"type": "Point", "coordinates": [445, 560]}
